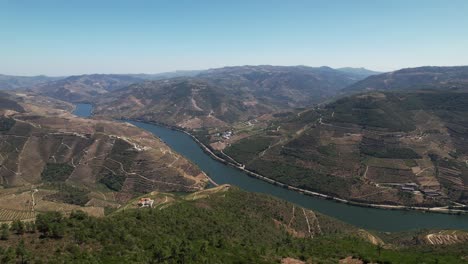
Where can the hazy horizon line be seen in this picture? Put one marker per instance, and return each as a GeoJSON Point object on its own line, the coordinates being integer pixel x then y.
{"type": "Point", "coordinates": [226, 66]}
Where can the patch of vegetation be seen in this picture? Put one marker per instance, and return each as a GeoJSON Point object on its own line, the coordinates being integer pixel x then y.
{"type": "Point", "coordinates": [6, 103]}
{"type": "Point", "coordinates": [68, 194]}
{"type": "Point", "coordinates": [302, 177]}
{"type": "Point", "coordinates": [411, 163]}
{"type": "Point", "coordinates": [329, 150]}
{"type": "Point", "coordinates": [246, 150]}
{"type": "Point", "coordinates": [56, 172]}
{"type": "Point", "coordinates": [122, 155]}
{"type": "Point", "coordinates": [372, 112]}
{"type": "Point", "coordinates": [381, 149]}
{"type": "Point", "coordinates": [123, 152]}
{"type": "Point", "coordinates": [306, 140]}
{"type": "Point", "coordinates": [283, 114]}
{"type": "Point", "coordinates": [435, 100]}
{"type": "Point", "coordinates": [112, 181]}
{"type": "Point", "coordinates": [390, 153]}
{"type": "Point", "coordinates": [6, 123]}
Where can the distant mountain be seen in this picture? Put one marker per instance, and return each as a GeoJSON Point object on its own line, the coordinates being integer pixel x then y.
{"type": "Point", "coordinates": [415, 78]}
{"type": "Point", "coordinates": [363, 72]}
{"type": "Point", "coordinates": [167, 75]}
{"type": "Point", "coordinates": [285, 85]}
{"type": "Point", "coordinates": [9, 82]}
{"type": "Point", "coordinates": [190, 103]}
{"type": "Point", "coordinates": [219, 97]}
{"type": "Point", "coordinates": [85, 87]}
{"type": "Point", "coordinates": [82, 87]}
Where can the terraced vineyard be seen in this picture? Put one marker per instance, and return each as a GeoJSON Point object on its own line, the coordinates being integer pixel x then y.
{"type": "Point", "coordinates": [394, 148]}
{"type": "Point", "coordinates": [7, 215]}
{"type": "Point", "coordinates": [61, 167]}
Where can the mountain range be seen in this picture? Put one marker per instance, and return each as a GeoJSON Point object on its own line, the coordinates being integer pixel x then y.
{"type": "Point", "coordinates": [221, 97]}
{"type": "Point", "coordinates": [76, 184]}
{"type": "Point", "coordinates": [9, 82]}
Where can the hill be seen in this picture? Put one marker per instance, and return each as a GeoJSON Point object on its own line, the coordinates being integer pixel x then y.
{"type": "Point", "coordinates": [167, 75]}
{"type": "Point", "coordinates": [84, 88]}
{"type": "Point", "coordinates": [9, 82]}
{"type": "Point", "coordinates": [53, 160]}
{"type": "Point", "coordinates": [189, 103]}
{"type": "Point", "coordinates": [221, 224]}
{"type": "Point", "coordinates": [415, 78]}
{"type": "Point", "coordinates": [363, 72]}
{"type": "Point", "coordinates": [407, 148]}
{"type": "Point", "coordinates": [220, 97]}
{"type": "Point", "coordinates": [293, 86]}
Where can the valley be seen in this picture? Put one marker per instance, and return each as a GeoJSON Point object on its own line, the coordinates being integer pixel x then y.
{"type": "Point", "coordinates": [383, 149]}
{"type": "Point", "coordinates": [368, 218]}
{"type": "Point", "coordinates": [213, 132]}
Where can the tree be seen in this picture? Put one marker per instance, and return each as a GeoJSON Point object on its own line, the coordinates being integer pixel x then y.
{"type": "Point", "coordinates": [50, 224]}
{"type": "Point", "coordinates": [57, 230]}
{"type": "Point", "coordinates": [18, 227]}
{"type": "Point", "coordinates": [379, 248]}
{"type": "Point", "coordinates": [5, 233]}
{"type": "Point", "coordinates": [9, 256]}
{"type": "Point", "coordinates": [30, 227]}
{"type": "Point", "coordinates": [21, 252]}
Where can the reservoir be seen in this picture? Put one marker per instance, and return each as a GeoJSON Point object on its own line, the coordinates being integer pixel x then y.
{"type": "Point", "coordinates": [370, 218]}
{"type": "Point", "coordinates": [83, 110]}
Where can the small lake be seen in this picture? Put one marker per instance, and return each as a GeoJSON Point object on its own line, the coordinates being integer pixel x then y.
{"type": "Point", "coordinates": [370, 218]}
{"type": "Point", "coordinates": [83, 110]}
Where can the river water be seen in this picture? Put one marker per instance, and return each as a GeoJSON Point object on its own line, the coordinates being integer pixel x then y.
{"type": "Point", "coordinates": [370, 218]}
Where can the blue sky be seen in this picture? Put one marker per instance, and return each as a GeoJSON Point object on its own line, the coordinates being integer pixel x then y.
{"type": "Point", "coordinates": [77, 37]}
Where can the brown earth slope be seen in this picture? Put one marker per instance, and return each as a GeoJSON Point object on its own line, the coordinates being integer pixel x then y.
{"type": "Point", "coordinates": [43, 145]}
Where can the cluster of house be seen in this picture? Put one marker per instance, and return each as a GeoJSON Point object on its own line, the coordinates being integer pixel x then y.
{"type": "Point", "coordinates": [225, 135]}
{"type": "Point", "coordinates": [412, 187]}
{"type": "Point", "coordinates": [145, 202]}
{"type": "Point", "coordinates": [431, 192]}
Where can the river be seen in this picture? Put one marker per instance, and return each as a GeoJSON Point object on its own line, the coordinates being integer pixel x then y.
{"type": "Point", "coordinates": [369, 218]}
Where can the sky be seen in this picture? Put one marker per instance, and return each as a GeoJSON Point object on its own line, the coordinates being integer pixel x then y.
{"type": "Point", "coordinates": [136, 36]}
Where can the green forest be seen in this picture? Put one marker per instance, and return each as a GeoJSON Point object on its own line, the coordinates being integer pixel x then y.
{"type": "Point", "coordinates": [225, 227]}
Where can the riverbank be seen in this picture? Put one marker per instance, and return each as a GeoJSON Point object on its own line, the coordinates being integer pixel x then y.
{"type": "Point", "coordinates": [239, 167]}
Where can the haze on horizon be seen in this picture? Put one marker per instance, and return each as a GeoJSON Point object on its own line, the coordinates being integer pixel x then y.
{"type": "Point", "coordinates": [65, 38]}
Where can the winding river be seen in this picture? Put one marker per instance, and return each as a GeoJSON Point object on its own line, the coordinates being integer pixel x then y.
{"type": "Point", "coordinates": [370, 218]}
